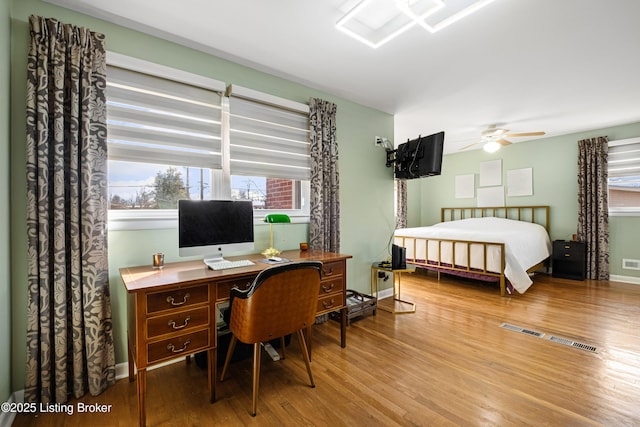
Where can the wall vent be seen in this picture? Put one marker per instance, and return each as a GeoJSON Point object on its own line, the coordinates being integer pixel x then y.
{"type": "Point", "coordinates": [631, 264]}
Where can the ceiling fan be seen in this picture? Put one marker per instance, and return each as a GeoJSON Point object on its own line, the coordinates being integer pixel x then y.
{"type": "Point", "coordinates": [494, 137]}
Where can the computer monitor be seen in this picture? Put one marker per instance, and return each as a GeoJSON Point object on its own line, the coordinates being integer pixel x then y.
{"type": "Point", "coordinates": [213, 228]}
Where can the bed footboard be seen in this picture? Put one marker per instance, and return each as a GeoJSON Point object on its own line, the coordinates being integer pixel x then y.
{"type": "Point", "coordinates": [460, 257]}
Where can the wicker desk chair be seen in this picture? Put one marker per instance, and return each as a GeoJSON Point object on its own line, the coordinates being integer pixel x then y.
{"type": "Point", "coordinates": [281, 300]}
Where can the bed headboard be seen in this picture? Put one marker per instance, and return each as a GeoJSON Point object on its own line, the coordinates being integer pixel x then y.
{"type": "Point", "coordinates": [534, 214]}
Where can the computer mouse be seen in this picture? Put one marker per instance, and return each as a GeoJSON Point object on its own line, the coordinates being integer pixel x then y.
{"type": "Point", "coordinates": [275, 259]}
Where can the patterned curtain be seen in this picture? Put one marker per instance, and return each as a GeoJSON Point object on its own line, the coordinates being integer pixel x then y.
{"type": "Point", "coordinates": [593, 205]}
{"type": "Point", "coordinates": [324, 227]}
{"type": "Point", "coordinates": [401, 203]}
{"type": "Point", "coordinates": [69, 328]}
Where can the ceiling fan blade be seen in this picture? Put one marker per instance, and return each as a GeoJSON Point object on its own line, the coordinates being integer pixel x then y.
{"type": "Point", "coordinates": [468, 146]}
{"type": "Point", "coordinates": [511, 135]}
{"type": "Point", "coordinates": [502, 141]}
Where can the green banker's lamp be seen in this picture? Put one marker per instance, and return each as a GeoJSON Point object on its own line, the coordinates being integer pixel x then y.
{"type": "Point", "coordinates": [274, 219]}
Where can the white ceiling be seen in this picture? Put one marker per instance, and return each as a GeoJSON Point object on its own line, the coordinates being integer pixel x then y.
{"type": "Point", "coordinates": [558, 66]}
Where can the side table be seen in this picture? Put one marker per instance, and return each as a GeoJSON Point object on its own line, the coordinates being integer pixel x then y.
{"type": "Point", "coordinates": [399, 306]}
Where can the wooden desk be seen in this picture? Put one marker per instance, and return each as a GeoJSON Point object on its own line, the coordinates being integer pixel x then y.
{"type": "Point", "coordinates": [172, 312]}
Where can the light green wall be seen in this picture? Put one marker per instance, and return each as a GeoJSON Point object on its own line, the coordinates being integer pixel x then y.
{"type": "Point", "coordinates": [366, 186]}
{"type": "Point", "coordinates": [554, 163]}
{"type": "Point", "coordinates": [5, 261]}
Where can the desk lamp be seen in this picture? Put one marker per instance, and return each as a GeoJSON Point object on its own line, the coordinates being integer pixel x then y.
{"type": "Point", "coordinates": [274, 219]}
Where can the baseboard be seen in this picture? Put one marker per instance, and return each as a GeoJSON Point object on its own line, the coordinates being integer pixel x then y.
{"type": "Point", "coordinates": [385, 293]}
{"type": "Point", "coordinates": [7, 417]}
{"type": "Point", "coordinates": [122, 369]}
{"type": "Point", "coordinates": [625, 279]}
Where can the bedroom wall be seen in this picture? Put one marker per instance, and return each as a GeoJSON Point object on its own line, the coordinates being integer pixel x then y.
{"type": "Point", "coordinates": [554, 163]}
{"type": "Point", "coordinates": [366, 188]}
{"type": "Point", "coordinates": [5, 259]}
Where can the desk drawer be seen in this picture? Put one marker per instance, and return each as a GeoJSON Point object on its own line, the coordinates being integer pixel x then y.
{"type": "Point", "coordinates": [178, 345]}
{"type": "Point", "coordinates": [329, 303]}
{"type": "Point", "coordinates": [331, 286]}
{"type": "Point", "coordinates": [224, 286]}
{"type": "Point", "coordinates": [177, 322]}
{"type": "Point", "coordinates": [332, 269]}
{"type": "Point", "coordinates": [177, 298]}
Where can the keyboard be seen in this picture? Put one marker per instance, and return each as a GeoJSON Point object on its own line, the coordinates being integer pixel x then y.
{"type": "Point", "coordinates": [223, 265]}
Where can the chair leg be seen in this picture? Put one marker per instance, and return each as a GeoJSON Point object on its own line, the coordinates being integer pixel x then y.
{"type": "Point", "coordinates": [256, 376]}
{"type": "Point", "coordinates": [305, 355]}
{"type": "Point", "coordinates": [232, 347]}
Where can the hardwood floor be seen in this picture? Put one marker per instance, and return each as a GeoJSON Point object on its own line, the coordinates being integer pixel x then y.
{"type": "Point", "coordinates": [448, 364]}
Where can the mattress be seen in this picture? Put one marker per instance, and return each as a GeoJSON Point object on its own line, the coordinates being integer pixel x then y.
{"type": "Point", "coordinates": [525, 244]}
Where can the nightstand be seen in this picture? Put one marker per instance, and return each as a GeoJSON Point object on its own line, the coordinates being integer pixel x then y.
{"type": "Point", "coordinates": [569, 259]}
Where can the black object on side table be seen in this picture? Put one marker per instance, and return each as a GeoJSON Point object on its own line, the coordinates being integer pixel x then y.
{"type": "Point", "coordinates": [569, 259]}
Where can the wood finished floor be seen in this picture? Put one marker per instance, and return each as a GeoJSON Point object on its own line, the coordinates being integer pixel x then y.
{"type": "Point", "coordinates": [448, 364]}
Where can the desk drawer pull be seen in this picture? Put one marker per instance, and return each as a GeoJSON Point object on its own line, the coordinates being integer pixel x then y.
{"type": "Point", "coordinates": [326, 288]}
{"type": "Point", "coordinates": [173, 326]}
{"type": "Point", "coordinates": [172, 348]}
{"type": "Point", "coordinates": [329, 304]}
{"type": "Point", "coordinates": [328, 272]}
{"type": "Point", "coordinates": [567, 255]}
{"type": "Point", "coordinates": [171, 301]}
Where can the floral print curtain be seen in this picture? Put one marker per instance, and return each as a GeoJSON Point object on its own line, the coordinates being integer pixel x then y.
{"type": "Point", "coordinates": [69, 327]}
{"type": "Point", "coordinates": [324, 227]}
{"type": "Point", "coordinates": [593, 205]}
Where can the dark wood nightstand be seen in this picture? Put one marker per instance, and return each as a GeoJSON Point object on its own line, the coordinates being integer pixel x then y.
{"type": "Point", "coordinates": [569, 259]}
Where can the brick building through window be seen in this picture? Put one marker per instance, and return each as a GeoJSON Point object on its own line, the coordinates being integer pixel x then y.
{"type": "Point", "coordinates": [280, 194]}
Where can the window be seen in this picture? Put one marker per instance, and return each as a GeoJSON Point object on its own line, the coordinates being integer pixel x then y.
{"type": "Point", "coordinates": [174, 135]}
{"type": "Point", "coordinates": [269, 149]}
{"type": "Point", "coordinates": [624, 177]}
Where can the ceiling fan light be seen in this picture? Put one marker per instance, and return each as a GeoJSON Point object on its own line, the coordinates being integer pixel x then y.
{"type": "Point", "coordinates": [491, 147]}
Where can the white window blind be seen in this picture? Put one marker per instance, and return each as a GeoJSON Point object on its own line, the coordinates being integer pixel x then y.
{"type": "Point", "coordinates": [267, 137]}
{"type": "Point", "coordinates": [156, 120]}
{"type": "Point", "coordinates": [624, 158]}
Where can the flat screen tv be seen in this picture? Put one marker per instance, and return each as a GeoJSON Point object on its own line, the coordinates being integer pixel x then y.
{"type": "Point", "coordinates": [212, 228]}
{"type": "Point", "coordinates": [420, 157]}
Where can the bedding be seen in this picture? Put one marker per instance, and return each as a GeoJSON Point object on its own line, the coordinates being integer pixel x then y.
{"type": "Point", "coordinates": [470, 242]}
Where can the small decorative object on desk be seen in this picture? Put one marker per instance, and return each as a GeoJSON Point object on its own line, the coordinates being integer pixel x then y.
{"type": "Point", "coordinates": [270, 252]}
{"type": "Point", "coordinates": [304, 246]}
{"type": "Point", "coordinates": [274, 219]}
{"type": "Point", "coordinates": [158, 260]}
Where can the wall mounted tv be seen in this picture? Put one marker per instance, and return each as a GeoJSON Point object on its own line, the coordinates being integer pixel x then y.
{"type": "Point", "coordinates": [420, 157]}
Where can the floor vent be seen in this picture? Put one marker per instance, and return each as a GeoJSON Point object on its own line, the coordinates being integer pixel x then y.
{"type": "Point", "coordinates": [522, 330]}
{"type": "Point", "coordinates": [571, 343]}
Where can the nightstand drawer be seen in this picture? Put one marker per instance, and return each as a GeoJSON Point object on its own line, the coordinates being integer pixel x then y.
{"type": "Point", "coordinates": [568, 249]}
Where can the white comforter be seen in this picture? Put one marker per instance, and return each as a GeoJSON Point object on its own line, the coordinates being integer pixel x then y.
{"type": "Point", "coordinates": [525, 244]}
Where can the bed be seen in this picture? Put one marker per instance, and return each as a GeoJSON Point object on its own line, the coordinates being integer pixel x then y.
{"type": "Point", "coordinates": [502, 244]}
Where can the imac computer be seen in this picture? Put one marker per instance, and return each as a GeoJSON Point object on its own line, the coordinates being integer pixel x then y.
{"type": "Point", "coordinates": [213, 228]}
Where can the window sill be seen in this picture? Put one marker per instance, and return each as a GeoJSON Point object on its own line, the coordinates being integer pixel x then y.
{"type": "Point", "coordinates": [161, 219]}
{"type": "Point", "coordinates": [624, 212]}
